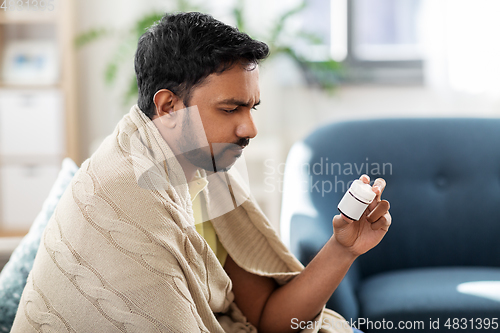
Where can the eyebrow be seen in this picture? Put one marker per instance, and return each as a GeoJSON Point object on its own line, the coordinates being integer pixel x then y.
{"type": "Point", "coordinates": [234, 101]}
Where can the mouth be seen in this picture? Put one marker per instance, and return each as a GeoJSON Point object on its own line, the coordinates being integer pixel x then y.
{"type": "Point", "coordinates": [237, 149]}
{"type": "Point", "coordinates": [231, 148]}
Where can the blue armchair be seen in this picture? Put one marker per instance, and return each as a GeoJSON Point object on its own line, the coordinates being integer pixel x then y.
{"type": "Point", "coordinates": [440, 259]}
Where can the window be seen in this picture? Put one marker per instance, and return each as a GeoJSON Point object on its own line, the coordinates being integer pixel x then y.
{"type": "Point", "coordinates": [385, 30]}
{"type": "Point", "coordinates": [377, 40]}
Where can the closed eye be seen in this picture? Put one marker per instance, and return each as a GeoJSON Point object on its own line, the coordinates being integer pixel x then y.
{"type": "Point", "coordinates": [230, 111]}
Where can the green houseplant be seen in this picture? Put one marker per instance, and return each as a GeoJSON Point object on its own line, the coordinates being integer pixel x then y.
{"type": "Point", "coordinates": [324, 74]}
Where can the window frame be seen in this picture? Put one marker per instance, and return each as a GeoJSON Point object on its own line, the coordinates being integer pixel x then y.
{"type": "Point", "coordinates": [377, 71]}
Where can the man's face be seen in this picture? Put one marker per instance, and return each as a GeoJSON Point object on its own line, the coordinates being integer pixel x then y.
{"type": "Point", "coordinates": [225, 103]}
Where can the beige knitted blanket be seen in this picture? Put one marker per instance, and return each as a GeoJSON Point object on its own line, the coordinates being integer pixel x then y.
{"type": "Point", "coordinates": [121, 254]}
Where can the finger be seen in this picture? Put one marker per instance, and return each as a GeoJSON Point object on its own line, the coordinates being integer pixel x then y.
{"type": "Point", "coordinates": [347, 219]}
{"type": "Point", "coordinates": [378, 187]}
{"type": "Point", "coordinates": [340, 221]}
{"type": "Point", "coordinates": [365, 179]}
{"type": "Point", "coordinates": [383, 223]}
{"type": "Point", "coordinates": [375, 200]}
{"type": "Point", "coordinates": [379, 211]}
{"type": "Point", "coordinates": [380, 184]}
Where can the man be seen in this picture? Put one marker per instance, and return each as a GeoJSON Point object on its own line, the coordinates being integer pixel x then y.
{"type": "Point", "coordinates": [158, 233]}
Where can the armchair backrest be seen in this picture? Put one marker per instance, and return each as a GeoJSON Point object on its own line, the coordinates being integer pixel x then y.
{"type": "Point", "coordinates": [443, 183]}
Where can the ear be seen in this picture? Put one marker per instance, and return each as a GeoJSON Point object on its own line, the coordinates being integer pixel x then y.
{"type": "Point", "coordinates": [166, 103]}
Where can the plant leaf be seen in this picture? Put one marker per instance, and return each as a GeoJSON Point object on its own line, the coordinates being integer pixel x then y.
{"type": "Point", "coordinates": [124, 52]}
{"type": "Point", "coordinates": [145, 23]}
{"type": "Point", "coordinates": [280, 24]}
{"type": "Point", "coordinates": [91, 36]}
{"type": "Point", "coordinates": [238, 15]}
{"type": "Point", "coordinates": [132, 92]}
{"type": "Point", "coordinates": [110, 73]}
{"type": "Point", "coordinates": [310, 37]}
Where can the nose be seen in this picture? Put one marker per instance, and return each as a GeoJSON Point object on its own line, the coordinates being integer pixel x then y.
{"type": "Point", "coordinates": [247, 128]}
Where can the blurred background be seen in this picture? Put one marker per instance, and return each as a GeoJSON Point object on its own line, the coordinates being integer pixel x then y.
{"type": "Point", "coordinates": [66, 77]}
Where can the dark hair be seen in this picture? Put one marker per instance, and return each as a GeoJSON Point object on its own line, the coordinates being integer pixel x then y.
{"type": "Point", "coordinates": [182, 49]}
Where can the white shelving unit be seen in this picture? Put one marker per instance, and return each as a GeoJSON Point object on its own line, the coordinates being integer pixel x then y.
{"type": "Point", "coordinates": [38, 118]}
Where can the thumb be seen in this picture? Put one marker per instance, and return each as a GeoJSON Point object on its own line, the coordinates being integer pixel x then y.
{"type": "Point", "coordinates": [340, 221]}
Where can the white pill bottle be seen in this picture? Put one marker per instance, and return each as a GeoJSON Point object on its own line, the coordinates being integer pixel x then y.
{"type": "Point", "coordinates": [356, 199]}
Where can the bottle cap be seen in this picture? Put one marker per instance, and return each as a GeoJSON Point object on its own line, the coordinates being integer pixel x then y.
{"type": "Point", "coordinates": [362, 191]}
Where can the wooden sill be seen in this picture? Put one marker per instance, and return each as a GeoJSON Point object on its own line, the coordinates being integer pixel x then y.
{"type": "Point", "coordinates": [12, 234]}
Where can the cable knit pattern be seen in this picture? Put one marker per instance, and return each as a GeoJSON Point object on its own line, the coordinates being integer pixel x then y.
{"type": "Point", "coordinates": [40, 314]}
{"type": "Point", "coordinates": [112, 304]}
{"type": "Point", "coordinates": [121, 254]}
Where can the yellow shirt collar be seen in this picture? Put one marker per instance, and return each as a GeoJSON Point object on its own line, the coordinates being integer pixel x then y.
{"type": "Point", "coordinates": [197, 185]}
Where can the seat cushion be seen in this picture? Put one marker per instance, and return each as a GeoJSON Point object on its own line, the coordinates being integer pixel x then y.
{"type": "Point", "coordinates": [422, 294]}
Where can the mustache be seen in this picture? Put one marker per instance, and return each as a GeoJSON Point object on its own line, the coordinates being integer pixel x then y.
{"type": "Point", "coordinates": [243, 142]}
